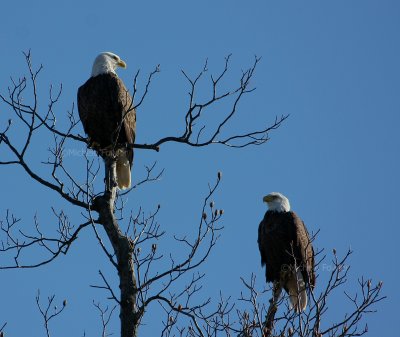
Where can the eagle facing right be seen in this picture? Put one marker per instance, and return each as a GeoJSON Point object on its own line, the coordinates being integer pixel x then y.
{"type": "Point", "coordinates": [286, 251]}
{"type": "Point", "coordinates": [108, 116]}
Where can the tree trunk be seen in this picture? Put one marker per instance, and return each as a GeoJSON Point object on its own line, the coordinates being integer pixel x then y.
{"type": "Point", "coordinates": [123, 248]}
{"type": "Point", "coordinates": [273, 307]}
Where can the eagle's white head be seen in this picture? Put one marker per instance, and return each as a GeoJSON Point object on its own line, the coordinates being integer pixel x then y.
{"type": "Point", "coordinates": [105, 63]}
{"type": "Point", "coordinates": [277, 202]}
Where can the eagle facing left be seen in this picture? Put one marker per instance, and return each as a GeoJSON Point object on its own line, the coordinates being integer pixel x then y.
{"type": "Point", "coordinates": [108, 115]}
{"type": "Point", "coordinates": [286, 250]}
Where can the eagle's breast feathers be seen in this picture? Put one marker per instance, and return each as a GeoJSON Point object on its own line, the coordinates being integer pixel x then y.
{"type": "Point", "coordinates": [106, 111]}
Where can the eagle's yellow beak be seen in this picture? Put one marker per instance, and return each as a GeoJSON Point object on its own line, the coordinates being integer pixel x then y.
{"type": "Point", "coordinates": [121, 64]}
{"type": "Point", "coordinates": [268, 198]}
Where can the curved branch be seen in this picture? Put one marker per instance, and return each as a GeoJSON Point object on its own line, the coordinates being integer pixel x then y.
{"type": "Point", "coordinates": [196, 111]}
{"type": "Point", "coordinates": [38, 240]}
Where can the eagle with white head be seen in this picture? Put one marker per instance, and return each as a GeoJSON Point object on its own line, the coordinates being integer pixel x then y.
{"type": "Point", "coordinates": [286, 251]}
{"type": "Point", "coordinates": [108, 115]}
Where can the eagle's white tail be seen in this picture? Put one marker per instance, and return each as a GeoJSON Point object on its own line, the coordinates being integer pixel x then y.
{"type": "Point", "coordinates": [123, 172]}
{"type": "Point", "coordinates": [297, 292]}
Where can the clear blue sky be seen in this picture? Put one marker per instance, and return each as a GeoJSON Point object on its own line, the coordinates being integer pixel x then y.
{"type": "Point", "coordinates": [332, 65]}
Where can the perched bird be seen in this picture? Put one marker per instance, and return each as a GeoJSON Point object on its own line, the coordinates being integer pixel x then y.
{"type": "Point", "coordinates": [108, 115]}
{"type": "Point", "coordinates": [286, 251]}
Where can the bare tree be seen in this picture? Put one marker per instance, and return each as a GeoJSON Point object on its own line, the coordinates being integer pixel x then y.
{"type": "Point", "coordinates": [133, 237]}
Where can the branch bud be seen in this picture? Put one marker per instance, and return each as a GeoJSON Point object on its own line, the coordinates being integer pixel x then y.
{"type": "Point", "coordinates": [64, 303]}
{"type": "Point", "coordinates": [179, 307]}
{"type": "Point", "coordinates": [204, 216]}
{"type": "Point", "coordinates": [221, 211]}
{"type": "Point", "coordinates": [334, 251]}
{"type": "Point", "coordinates": [153, 247]}
{"type": "Point", "coordinates": [212, 204]}
{"type": "Point", "coordinates": [219, 175]}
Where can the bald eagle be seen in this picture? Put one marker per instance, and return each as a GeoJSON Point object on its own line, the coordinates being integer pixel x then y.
{"type": "Point", "coordinates": [108, 116]}
{"type": "Point", "coordinates": [286, 251]}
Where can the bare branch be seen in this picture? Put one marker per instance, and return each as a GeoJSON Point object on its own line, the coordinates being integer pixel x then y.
{"type": "Point", "coordinates": [50, 311]}
{"type": "Point", "coordinates": [147, 86]}
{"type": "Point", "coordinates": [2, 327]}
{"type": "Point", "coordinates": [196, 110]}
{"type": "Point", "coordinates": [22, 241]}
{"type": "Point", "coordinates": [105, 315]}
{"type": "Point", "coordinates": [107, 287]}
{"type": "Point", "coordinates": [207, 229]}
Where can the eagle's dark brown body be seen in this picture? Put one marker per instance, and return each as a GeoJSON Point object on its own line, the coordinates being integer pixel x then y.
{"type": "Point", "coordinates": [282, 240]}
{"type": "Point", "coordinates": [107, 114]}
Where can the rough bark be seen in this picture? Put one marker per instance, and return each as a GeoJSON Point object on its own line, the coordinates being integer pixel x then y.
{"type": "Point", "coordinates": [123, 248]}
{"type": "Point", "coordinates": [273, 307]}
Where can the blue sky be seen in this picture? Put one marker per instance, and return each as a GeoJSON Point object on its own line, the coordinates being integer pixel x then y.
{"type": "Point", "coordinates": [332, 65]}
